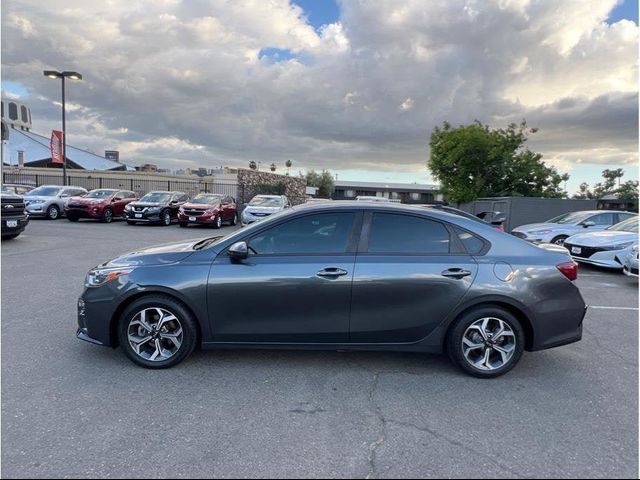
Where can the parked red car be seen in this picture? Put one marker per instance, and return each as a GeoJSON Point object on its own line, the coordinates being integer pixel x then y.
{"type": "Point", "coordinates": [103, 204]}
{"type": "Point", "coordinates": [209, 209]}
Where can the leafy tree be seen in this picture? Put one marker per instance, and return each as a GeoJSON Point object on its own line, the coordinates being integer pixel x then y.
{"type": "Point", "coordinates": [253, 165]}
{"type": "Point", "coordinates": [273, 167]}
{"type": "Point", "coordinates": [474, 161]}
{"type": "Point", "coordinates": [323, 181]}
{"type": "Point", "coordinates": [627, 191]}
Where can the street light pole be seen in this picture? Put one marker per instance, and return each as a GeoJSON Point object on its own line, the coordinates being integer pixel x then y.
{"type": "Point", "coordinates": [62, 76]}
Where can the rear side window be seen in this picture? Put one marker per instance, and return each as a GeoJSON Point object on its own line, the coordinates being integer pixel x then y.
{"type": "Point", "coordinates": [602, 219]}
{"type": "Point", "coordinates": [394, 233]}
{"type": "Point", "coordinates": [312, 234]}
{"type": "Point", "coordinates": [472, 244]}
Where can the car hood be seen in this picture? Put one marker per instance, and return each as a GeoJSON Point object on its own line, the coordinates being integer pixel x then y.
{"type": "Point", "coordinates": [602, 238]}
{"type": "Point", "coordinates": [87, 201]}
{"type": "Point", "coordinates": [539, 226]}
{"type": "Point", "coordinates": [258, 209]}
{"type": "Point", "coordinates": [201, 206]}
{"type": "Point", "coordinates": [148, 204]}
{"type": "Point", "coordinates": [156, 255]}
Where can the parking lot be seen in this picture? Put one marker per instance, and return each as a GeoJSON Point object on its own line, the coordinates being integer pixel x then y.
{"type": "Point", "coordinates": [71, 409]}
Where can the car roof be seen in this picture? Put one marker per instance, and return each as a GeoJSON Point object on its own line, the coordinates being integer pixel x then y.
{"type": "Point", "coordinates": [378, 206]}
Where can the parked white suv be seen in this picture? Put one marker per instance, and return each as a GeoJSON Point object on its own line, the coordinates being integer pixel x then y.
{"type": "Point", "coordinates": [48, 200]}
{"type": "Point", "coordinates": [261, 206]}
{"type": "Point", "coordinates": [558, 229]}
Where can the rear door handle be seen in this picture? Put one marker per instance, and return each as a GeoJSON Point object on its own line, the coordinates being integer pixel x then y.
{"type": "Point", "coordinates": [456, 273]}
{"type": "Point", "coordinates": [331, 272]}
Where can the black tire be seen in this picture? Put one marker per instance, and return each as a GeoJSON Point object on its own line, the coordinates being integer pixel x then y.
{"type": "Point", "coordinates": [10, 237]}
{"type": "Point", "coordinates": [217, 222]}
{"type": "Point", "coordinates": [107, 215]}
{"type": "Point", "coordinates": [187, 322]}
{"type": "Point", "coordinates": [72, 218]}
{"type": "Point", "coordinates": [130, 222]}
{"type": "Point", "coordinates": [234, 220]}
{"type": "Point", "coordinates": [559, 240]}
{"type": "Point", "coordinates": [165, 218]}
{"type": "Point", "coordinates": [53, 212]}
{"type": "Point", "coordinates": [454, 341]}
{"type": "Point", "coordinates": [184, 224]}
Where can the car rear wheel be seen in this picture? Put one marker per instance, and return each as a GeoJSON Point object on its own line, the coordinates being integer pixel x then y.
{"type": "Point", "coordinates": [72, 218]}
{"type": "Point", "coordinates": [53, 212]}
{"type": "Point", "coordinates": [559, 240]}
{"type": "Point", "coordinates": [166, 218]}
{"type": "Point", "coordinates": [184, 224]}
{"type": "Point", "coordinates": [130, 222]}
{"type": "Point", "coordinates": [217, 223]}
{"type": "Point", "coordinates": [234, 220]}
{"type": "Point", "coordinates": [107, 215]}
{"type": "Point", "coordinates": [10, 237]}
{"type": "Point", "coordinates": [157, 332]}
{"type": "Point", "coordinates": [486, 342]}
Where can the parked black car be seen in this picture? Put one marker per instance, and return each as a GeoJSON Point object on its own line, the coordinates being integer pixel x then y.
{"type": "Point", "coordinates": [155, 207]}
{"type": "Point", "coordinates": [340, 275]}
{"type": "Point", "coordinates": [14, 216]}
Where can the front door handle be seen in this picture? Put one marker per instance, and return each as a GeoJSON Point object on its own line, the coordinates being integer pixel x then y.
{"type": "Point", "coordinates": [331, 272]}
{"type": "Point", "coordinates": [456, 273]}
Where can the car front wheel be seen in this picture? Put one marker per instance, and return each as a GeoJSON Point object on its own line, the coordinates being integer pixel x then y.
{"type": "Point", "coordinates": [157, 332]}
{"type": "Point", "coordinates": [53, 212]}
{"type": "Point", "coordinates": [486, 342]}
{"type": "Point", "coordinates": [559, 240]}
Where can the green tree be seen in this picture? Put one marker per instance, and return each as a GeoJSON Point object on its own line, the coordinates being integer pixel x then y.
{"type": "Point", "coordinates": [474, 161]}
{"type": "Point", "coordinates": [323, 181]}
{"type": "Point", "coordinates": [627, 191]}
{"type": "Point", "coordinates": [252, 165]}
{"type": "Point", "coordinates": [273, 167]}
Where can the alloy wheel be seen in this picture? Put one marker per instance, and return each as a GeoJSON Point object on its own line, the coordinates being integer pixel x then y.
{"type": "Point", "coordinates": [218, 221]}
{"type": "Point", "coordinates": [166, 218]}
{"type": "Point", "coordinates": [53, 212]}
{"type": "Point", "coordinates": [488, 344]}
{"type": "Point", "coordinates": [155, 334]}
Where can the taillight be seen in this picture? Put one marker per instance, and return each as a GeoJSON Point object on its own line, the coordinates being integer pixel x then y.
{"type": "Point", "coordinates": [569, 270]}
{"type": "Point", "coordinates": [499, 227]}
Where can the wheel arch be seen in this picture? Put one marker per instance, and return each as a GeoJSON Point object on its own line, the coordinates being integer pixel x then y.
{"type": "Point", "coordinates": [115, 318]}
{"type": "Point", "coordinates": [514, 308]}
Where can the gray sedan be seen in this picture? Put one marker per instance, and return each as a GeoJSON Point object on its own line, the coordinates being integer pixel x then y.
{"type": "Point", "coordinates": [48, 200]}
{"type": "Point", "coordinates": [340, 275]}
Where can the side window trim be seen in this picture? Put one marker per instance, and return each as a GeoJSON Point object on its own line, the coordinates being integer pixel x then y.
{"type": "Point", "coordinates": [455, 245]}
{"type": "Point", "coordinates": [351, 242]}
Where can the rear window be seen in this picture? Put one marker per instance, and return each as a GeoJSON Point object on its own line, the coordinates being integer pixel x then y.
{"type": "Point", "coordinates": [406, 234]}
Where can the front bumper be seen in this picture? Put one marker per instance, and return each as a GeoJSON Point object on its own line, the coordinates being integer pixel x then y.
{"type": "Point", "coordinates": [85, 212]}
{"type": "Point", "coordinates": [95, 309]}
{"type": "Point", "coordinates": [38, 210]}
{"type": "Point", "coordinates": [248, 218]}
{"type": "Point", "coordinates": [204, 218]}
{"type": "Point", "coordinates": [150, 217]}
{"type": "Point", "coordinates": [596, 256]}
{"type": "Point", "coordinates": [21, 222]}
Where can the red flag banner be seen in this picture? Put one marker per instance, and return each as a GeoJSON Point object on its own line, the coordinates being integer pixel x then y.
{"type": "Point", "coordinates": [56, 146]}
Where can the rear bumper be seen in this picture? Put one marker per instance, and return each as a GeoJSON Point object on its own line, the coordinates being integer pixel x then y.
{"type": "Point", "coordinates": [562, 333]}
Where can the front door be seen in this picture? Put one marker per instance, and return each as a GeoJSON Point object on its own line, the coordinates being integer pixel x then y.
{"type": "Point", "coordinates": [408, 277]}
{"type": "Point", "coordinates": [295, 286]}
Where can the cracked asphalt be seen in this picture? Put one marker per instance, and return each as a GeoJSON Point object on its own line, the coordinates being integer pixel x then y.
{"type": "Point", "coordinates": [70, 409]}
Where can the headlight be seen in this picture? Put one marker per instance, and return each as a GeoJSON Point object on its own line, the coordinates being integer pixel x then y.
{"type": "Point", "coordinates": [153, 209]}
{"type": "Point", "coordinates": [100, 276]}
{"type": "Point", "coordinates": [94, 202]}
{"type": "Point", "coordinates": [634, 250]}
{"type": "Point", "coordinates": [619, 246]}
{"type": "Point", "coordinates": [128, 206]}
{"type": "Point", "coordinates": [181, 209]}
{"type": "Point", "coordinates": [539, 232]}
{"type": "Point", "coordinates": [35, 202]}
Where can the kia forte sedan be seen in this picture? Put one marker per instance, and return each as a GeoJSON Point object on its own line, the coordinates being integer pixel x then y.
{"type": "Point", "coordinates": [340, 275]}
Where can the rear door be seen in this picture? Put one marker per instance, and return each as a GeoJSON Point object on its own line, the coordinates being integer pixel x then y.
{"type": "Point", "coordinates": [410, 272]}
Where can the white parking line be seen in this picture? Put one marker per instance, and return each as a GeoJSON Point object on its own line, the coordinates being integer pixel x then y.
{"type": "Point", "coordinates": [602, 307]}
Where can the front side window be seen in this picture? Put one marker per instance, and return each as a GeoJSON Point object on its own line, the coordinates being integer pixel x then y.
{"type": "Point", "coordinates": [406, 234]}
{"type": "Point", "coordinates": [45, 191]}
{"type": "Point", "coordinates": [326, 233]}
{"type": "Point", "coordinates": [13, 111]}
{"type": "Point", "coordinates": [602, 219]}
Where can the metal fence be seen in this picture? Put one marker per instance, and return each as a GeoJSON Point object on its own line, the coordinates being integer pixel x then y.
{"type": "Point", "coordinates": [138, 185]}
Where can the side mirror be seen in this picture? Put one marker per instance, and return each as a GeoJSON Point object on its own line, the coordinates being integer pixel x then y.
{"type": "Point", "coordinates": [239, 250]}
{"type": "Point", "coordinates": [64, 195]}
{"type": "Point", "coordinates": [588, 224]}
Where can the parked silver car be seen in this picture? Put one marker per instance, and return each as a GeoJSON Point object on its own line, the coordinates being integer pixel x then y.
{"type": "Point", "coordinates": [558, 229]}
{"type": "Point", "coordinates": [261, 206]}
{"type": "Point", "coordinates": [605, 248]}
{"type": "Point", "coordinates": [48, 200]}
{"type": "Point", "coordinates": [630, 260]}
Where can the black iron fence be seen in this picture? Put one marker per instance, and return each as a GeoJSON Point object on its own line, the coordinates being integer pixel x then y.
{"type": "Point", "coordinates": [138, 185]}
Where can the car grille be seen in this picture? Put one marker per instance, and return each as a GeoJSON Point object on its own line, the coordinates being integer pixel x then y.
{"type": "Point", "coordinates": [139, 209]}
{"type": "Point", "coordinates": [518, 234]}
{"type": "Point", "coordinates": [76, 205]}
{"type": "Point", "coordinates": [193, 212]}
{"type": "Point", "coordinates": [585, 252]}
{"type": "Point", "coordinates": [12, 208]}
{"type": "Point", "coordinates": [258, 214]}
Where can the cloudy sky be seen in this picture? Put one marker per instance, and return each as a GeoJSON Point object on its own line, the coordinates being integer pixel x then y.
{"type": "Point", "coordinates": [355, 86]}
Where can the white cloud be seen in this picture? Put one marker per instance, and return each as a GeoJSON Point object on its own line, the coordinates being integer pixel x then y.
{"type": "Point", "coordinates": [361, 93]}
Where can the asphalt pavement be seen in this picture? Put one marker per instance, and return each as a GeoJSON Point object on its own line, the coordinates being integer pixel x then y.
{"type": "Point", "coordinates": [71, 409]}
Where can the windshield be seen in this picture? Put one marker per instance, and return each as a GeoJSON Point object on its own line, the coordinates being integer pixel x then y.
{"type": "Point", "coordinates": [266, 202]}
{"type": "Point", "coordinates": [156, 197]}
{"type": "Point", "coordinates": [629, 225]}
{"type": "Point", "coordinates": [10, 190]}
{"type": "Point", "coordinates": [45, 191]}
{"type": "Point", "coordinates": [99, 194]}
{"type": "Point", "coordinates": [572, 217]}
{"type": "Point", "coordinates": [207, 199]}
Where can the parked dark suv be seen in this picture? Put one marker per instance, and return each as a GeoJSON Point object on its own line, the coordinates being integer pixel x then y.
{"type": "Point", "coordinates": [155, 207]}
{"type": "Point", "coordinates": [14, 216]}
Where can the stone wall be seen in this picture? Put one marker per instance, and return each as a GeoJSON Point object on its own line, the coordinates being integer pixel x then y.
{"type": "Point", "coordinates": [249, 182]}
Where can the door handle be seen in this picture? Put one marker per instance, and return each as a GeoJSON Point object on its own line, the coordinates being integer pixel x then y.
{"type": "Point", "coordinates": [456, 273]}
{"type": "Point", "coordinates": [331, 272]}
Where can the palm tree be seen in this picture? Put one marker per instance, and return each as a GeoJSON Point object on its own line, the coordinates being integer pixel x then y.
{"type": "Point", "coordinates": [288, 164]}
{"type": "Point", "coordinates": [252, 165]}
{"type": "Point", "coordinates": [273, 167]}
